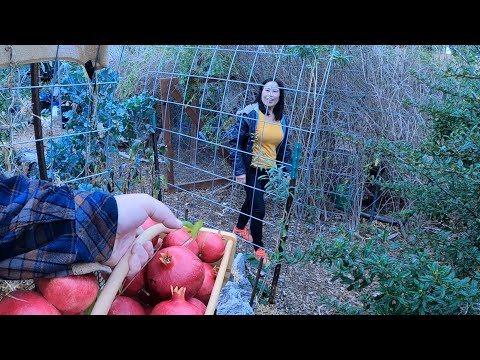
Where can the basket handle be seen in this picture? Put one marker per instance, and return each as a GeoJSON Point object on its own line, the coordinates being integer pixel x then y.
{"type": "Point", "coordinates": [217, 286]}
{"type": "Point", "coordinates": [115, 280]}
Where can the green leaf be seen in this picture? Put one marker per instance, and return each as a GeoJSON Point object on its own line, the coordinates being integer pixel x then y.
{"type": "Point", "coordinates": [187, 224]}
{"type": "Point", "coordinates": [196, 229]}
{"type": "Point", "coordinates": [88, 311]}
{"type": "Point", "coordinates": [442, 291]}
{"type": "Point", "coordinates": [163, 150]}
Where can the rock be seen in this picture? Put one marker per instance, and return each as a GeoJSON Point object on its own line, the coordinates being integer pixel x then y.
{"type": "Point", "coordinates": [238, 273]}
{"type": "Point", "coordinates": [234, 298]}
{"type": "Point", "coordinates": [232, 301]}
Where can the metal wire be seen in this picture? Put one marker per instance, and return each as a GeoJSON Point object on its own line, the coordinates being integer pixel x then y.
{"type": "Point", "coordinates": [21, 143]}
{"type": "Point", "coordinates": [212, 83]}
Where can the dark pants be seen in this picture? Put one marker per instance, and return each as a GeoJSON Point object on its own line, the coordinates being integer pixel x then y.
{"type": "Point", "coordinates": [254, 206]}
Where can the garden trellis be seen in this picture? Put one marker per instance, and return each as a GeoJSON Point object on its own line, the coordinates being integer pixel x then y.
{"type": "Point", "coordinates": [155, 120]}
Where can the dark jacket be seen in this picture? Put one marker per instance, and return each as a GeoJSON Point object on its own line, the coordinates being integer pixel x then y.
{"type": "Point", "coordinates": [241, 135]}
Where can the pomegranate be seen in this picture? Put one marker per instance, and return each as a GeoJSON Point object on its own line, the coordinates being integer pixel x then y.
{"type": "Point", "coordinates": [177, 305]}
{"type": "Point", "coordinates": [70, 294]}
{"type": "Point", "coordinates": [149, 223]}
{"type": "Point", "coordinates": [181, 237]}
{"type": "Point", "coordinates": [123, 305]}
{"type": "Point", "coordinates": [211, 246]}
{"type": "Point", "coordinates": [203, 294]}
{"type": "Point", "coordinates": [23, 302]}
{"type": "Point", "coordinates": [198, 304]}
{"type": "Point", "coordinates": [174, 266]}
{"type": "Point", "coordinates": [136, 284]}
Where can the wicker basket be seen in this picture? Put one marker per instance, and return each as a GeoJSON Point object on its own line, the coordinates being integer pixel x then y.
{"type": "Point", "coordinates": [115, 280]}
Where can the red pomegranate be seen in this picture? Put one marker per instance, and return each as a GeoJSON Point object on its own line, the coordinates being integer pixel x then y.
{"type": "Point", "coordinates": [177, 305]}
{"type": "Point", "coordinates": [174, 266]}
{"type": "Point", "coordinates": [70, 294]}
{"type": "Point", "coordinates": [26, 302]}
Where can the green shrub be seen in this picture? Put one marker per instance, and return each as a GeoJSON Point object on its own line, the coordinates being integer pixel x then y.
{"type": "Point", "coordinates": [440, 180]}
{"type": "Point", "coordinates": [394, 278]}
{"type": "Point", "coordinates": [128, 122]}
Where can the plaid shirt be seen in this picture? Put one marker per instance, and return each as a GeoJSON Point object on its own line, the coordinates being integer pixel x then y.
{"type": "Point", "coordinates": [44, 229]}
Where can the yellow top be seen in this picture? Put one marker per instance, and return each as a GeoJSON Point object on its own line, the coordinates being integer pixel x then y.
{"type": "Point", "coordinates": [267, 137]}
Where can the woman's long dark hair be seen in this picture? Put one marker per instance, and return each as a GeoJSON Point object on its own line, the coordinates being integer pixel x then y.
{"type": "Point", "coordinates": [277, 109]}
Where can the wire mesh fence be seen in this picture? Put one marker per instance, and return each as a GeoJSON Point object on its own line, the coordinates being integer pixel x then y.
{"type": "Point", "coordinates": [38, 101]}
{"type": "Point", "coordinates": [157, 120]}
{"type": "Point", "coordinates": [200, 90]}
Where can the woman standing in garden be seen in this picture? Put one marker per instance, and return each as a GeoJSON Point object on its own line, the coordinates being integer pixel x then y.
{"type": "Point", "coordinates": [259, 140]}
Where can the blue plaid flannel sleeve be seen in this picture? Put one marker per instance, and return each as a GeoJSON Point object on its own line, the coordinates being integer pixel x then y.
{"type": "Point", "coordinates": [45, 229]}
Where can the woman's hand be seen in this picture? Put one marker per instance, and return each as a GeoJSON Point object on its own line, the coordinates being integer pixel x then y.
{"type": "Point", "coordinates": [242, 179]}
